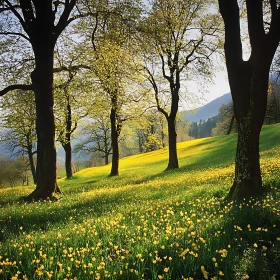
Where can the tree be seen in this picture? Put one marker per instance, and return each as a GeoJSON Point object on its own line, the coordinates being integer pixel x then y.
{"type": "Point", "coordinates": [179, 38]}
{"type": "Point", "coordinates": [40, 23]}
{"type": "Point", "coordinates": [70, 99]}
{"type": "Point", "coordinates": [150, 131]}
{"type": "Point", "coordinates": [273, 103]}
{"type": "Point", "coordinates": [97, 138]}
{"type": "Point", "coordinates": [248, 81]}
{"type": "Point", "coordinates": [226, 121]}
{"type": "Point", "coordinates": [13, 172]}
{"type": "Point", "coordinates": [114, 64]}
{"type": "Point", "coordinates": [18, 126]}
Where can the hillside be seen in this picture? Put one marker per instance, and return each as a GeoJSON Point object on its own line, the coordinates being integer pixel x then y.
{"type": "Point", "coordinates": [147, 223]}
{"type": "Point", "coordinates": [209, 110]}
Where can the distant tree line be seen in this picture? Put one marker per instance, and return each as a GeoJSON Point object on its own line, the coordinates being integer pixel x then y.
{"type": "Point", "coordinates": [225, 123]}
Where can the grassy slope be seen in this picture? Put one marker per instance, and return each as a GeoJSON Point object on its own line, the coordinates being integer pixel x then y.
{"type": "Point", "coordinates": [147, 223]}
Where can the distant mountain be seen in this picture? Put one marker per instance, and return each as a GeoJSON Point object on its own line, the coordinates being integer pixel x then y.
{"type": "Point", "coordinates": [209, 110]}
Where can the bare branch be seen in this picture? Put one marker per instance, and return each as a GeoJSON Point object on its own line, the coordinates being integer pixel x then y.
{"type": "Point", "coordinates": [15, 87]}
{"type": "Point", "coordinates": [15, 34]}
{"type": "Point", "coordinates": [188, 60]}
{"type": "Point", "coordinates": [64, 21]}
{"type": "Point", "coordinates": [71, 68]}
{"type": "Point", "coordinates": [16, 13]}
{"type": "Point", "coordinates": [156, 92]}
{"type": "Point", "coordinates": [163, 68]}
{"type": "Point", "coordinates": [9, 8]}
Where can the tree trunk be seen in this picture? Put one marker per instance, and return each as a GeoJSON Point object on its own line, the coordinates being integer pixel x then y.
{"type": "Point", "coordinates": [68, 159]}
{"type": "Point", "coordinates": [247, 181]}
{"type": "Point", "coordinates": [42, 80]}
{"type": "Point", "coordinates": [172, 138]}
{"type": "Point", "coordinates": [115, 143]}
{"type": "Point", "coordinates": [106, 158]}
{"type": "Point", "coordinates": [249, 85]}
{"type": "Point", "coordinates": [249, 119]}
{"type": "Point", "coordinates": [67, 141]}
{"type": "Point", "coordinates": [31, 163]}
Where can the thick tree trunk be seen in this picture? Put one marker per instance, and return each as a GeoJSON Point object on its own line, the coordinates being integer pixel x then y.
{"type": "Point", "coordinates": [172, 138]}
{"type": "Point", "coordinates": [249, 118]}
{"type": "Point", "coordinates": [247, 181]}
{"type": "Point", "coordinates": [42, 80]}
{"type": "Point", "coordinates": [249, 84]}
{"type": "Point", "coordinates": [68, 159]}
{"type": "Point", "coordinates": [31, 163]}
{"type": "Point", "coordinates": [115, 143]}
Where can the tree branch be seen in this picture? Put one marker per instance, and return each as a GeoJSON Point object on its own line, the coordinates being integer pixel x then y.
{"type": "Point", "coordinates": [15, 34]}
{"type": "Point", "coordinates": [71, 68]}
{"type": "Point", "coordinates": [9, 8]}
{"type": "Point", "coordinates": [156, 92]}
{"type": "Point", "coordinates": [27, 11]}
{"type": "Point", "coordinates": [19, 17]}
{"type": "Point", "coordinates": [64, 21]}
{"type": "Point", "coordinates": [255, 21]}
{"type": "Point", "coordinates": [229, 10]}
{"type": "Point", "coordinates": [15, 87]}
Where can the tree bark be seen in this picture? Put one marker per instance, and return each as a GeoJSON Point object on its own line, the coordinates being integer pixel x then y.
{"type": "Point", "coordinates": [115, 143]}
{"type": "Point", "coordinates": [247, 181]}
{"type": "Point", "coordinates": [68, 159]}
{"type": "Point", "coordinates": [106, 158]}
{"type": "Point", "coordinates": [42, 80]}
{"type": "Point", "coordinates": [67, 141]}
{"type": "Point", "coordinates": [249, 86]}
{"type": "Point", "coordinates": [172, 149]}
{"type": "Point", "coordinates": [31, 163]}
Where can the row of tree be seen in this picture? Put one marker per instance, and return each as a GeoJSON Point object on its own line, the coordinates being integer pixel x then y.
{"type": "Point", "coordinates": [120, 54]}
{"type": "Point", "coordinates": [121, 44]}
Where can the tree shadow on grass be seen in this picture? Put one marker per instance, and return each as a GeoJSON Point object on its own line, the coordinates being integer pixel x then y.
{"type": "Point", "coordinates": [241, 259]}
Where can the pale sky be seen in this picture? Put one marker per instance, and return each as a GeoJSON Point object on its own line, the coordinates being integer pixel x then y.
{"type": "Point", "coordinates": [199, 95]}
{"type": "Point", "coordinates": [219, 87]}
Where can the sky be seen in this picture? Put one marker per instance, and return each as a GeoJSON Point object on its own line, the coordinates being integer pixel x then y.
{"type": "Point", "coordinates": [198, 96]}
{"type": "Point", "coordinates": [219, 87]}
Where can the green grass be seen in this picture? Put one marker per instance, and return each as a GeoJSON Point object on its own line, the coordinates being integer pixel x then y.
{"type": "Point", "coordinates": [147, 223]}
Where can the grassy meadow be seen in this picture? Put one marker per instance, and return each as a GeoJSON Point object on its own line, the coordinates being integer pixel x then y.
{"type": "Point", "coordinates": [148, 223]}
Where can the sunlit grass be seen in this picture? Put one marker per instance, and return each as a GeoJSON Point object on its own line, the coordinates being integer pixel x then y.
{"type": "Point", "coordinates": [147, 223]}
